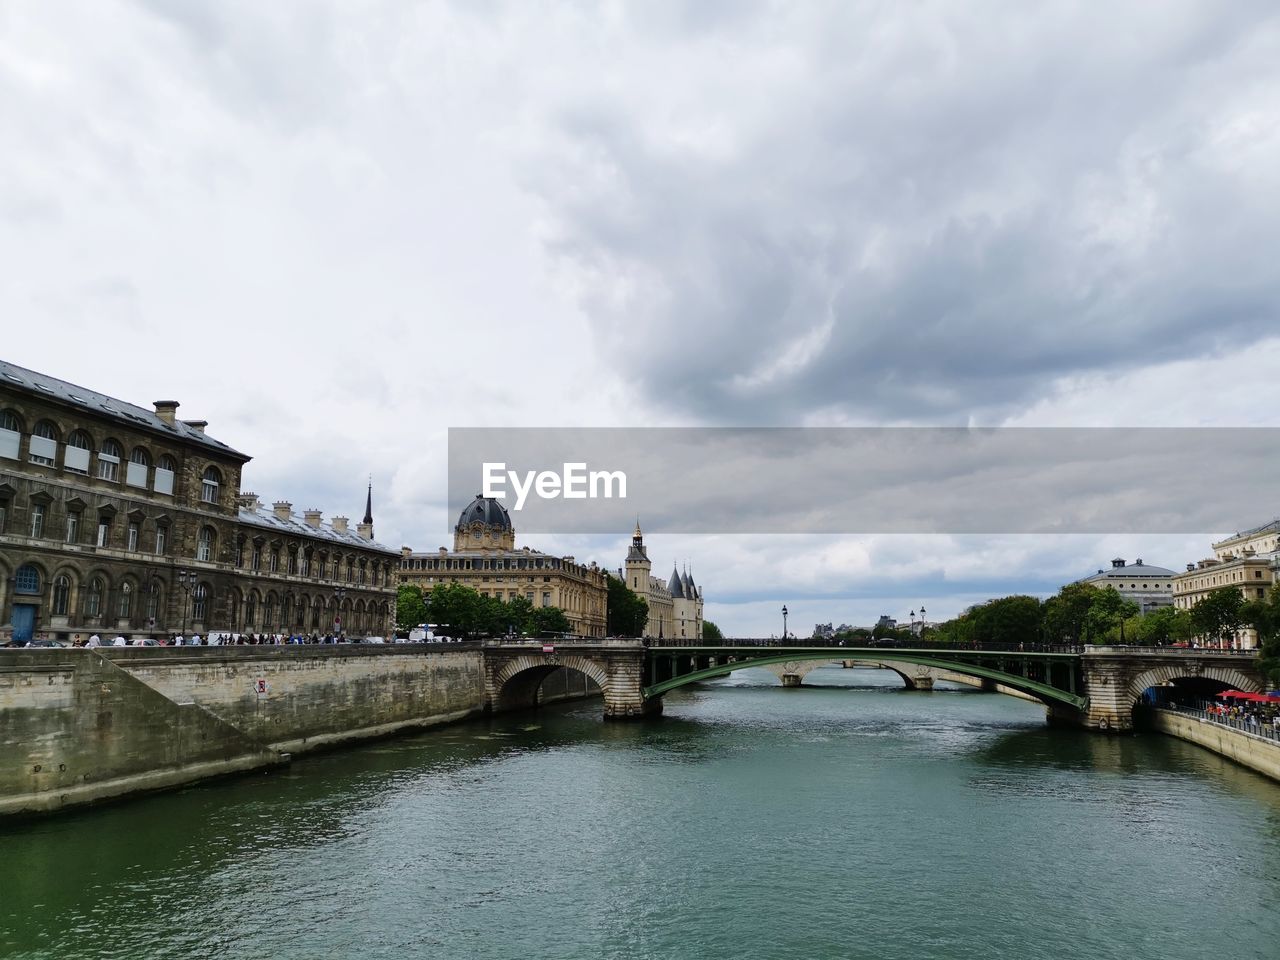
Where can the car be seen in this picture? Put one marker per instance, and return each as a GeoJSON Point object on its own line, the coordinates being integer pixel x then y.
{"type": "Point", "coordinates": [47, 643]}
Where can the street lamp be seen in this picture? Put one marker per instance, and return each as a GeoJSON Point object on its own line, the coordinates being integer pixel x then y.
{"type": "Point", "coordinates": [338, 595]}
{"type": "Point", "coordinates": [187, 581]}
{"type": "Point", "coordinates": [922, 619]}
{"type": "Point", "coordinates": [784, 623]}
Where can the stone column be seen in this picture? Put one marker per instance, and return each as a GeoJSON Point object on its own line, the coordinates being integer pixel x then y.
{"type": "Point", "coordinates": [791, 679]}
{"type": "Point", "coordinates": [623, 690]}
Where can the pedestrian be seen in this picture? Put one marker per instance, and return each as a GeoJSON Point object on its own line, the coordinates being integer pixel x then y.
{"type": "Point", "coordinates": [94, 641]}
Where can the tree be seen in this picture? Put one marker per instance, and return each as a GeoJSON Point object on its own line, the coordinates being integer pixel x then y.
{"type": "Point", "coordinates": [411, 608]}
{"type": "Point", "coordinates": [1107, 611]}
{"type": "Point", "coordinates": [1008, 620]}
{"type": "Point", "coordinates": [1160, 627]}
{"type": "Point", "coordinates": [710, 631]}
{"type": "Point", "coordinates": [1219, 615]}
{"type": "Point", "coordinates": [1066, 616]}
{"type": "Point", "coordinates": [1264, 616]}
{"type": "Point", "coordinates": [627, 612]}
{"type": "Point", "coordinates": [456, 609]}
{"type": "Point", "coordinates": [550, 622]}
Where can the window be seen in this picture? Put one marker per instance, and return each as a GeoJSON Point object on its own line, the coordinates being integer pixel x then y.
{"type": "Point", "coordinates": [93, 599]}
{"type": "Point", "coordinates": [26, 580]}
{"type": "Point", "coordinates": [75, 455]}
{"type": "Point", "coordinates": [255, 558]}
{"type": "Point", "coordinates": [250, 611]}
{"type": "Point", "coordinates": [204, 544]}
{"type": "Point", "coordinates": [104, 531]}
{"type": "Point", "coordinates": [109, 461]}
{"type": "Point", "coordinates": [163, 482]}
{"type": "Point", "coordinates": [269, 612]}
{"type": "Point", "coordinates": [306, 565]}
{"type": "Point", "coordinates": [73, 527]}
{"type": "Point", "coordinates": [351, 571]}
{"type": "Point", "coordinates": [275, 560]}
{"type": "Point", "coordinates": [134, 530]}
{"type": "Point", "coordinates": [10, 435]}
{"type": "Point", "coordinates": [153, 602]}
{"type": "Point", "coordinates": [124, 607]}
{"type": "Point", "coordinates": [37, 520]}
{"type": "Point", "coordinates": [293, 562]}
{"type": "Point", "coordinates": [546, 598]}
{"type": "Point", "coordinates": [161, 534]}
{"type": "Point", "coordinates": [209, 485]}
{"type": "Point", "coordinates": [44, 444]}
{"type": "Point", "coordinates": [198, 598]}
{"type": "Point", "coordinates": [61, 595]}
{"type": "Point", "coordinates": [139, 464]}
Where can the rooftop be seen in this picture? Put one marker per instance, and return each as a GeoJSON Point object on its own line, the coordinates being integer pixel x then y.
{"type": "Point", "coordinates": [262, 516]}
{"type": "Point", "coordinates": [103, 405]}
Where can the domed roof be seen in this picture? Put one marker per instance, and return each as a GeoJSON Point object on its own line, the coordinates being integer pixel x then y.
{"type": "Point", "coordinates": [1123, 571]}
{"type": "Point", "coordinates": [485, 510]}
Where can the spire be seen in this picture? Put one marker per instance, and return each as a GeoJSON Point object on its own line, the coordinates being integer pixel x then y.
{"type": "Point", "coordinates": [368, 503]}
{"type": "Point", "coordinates": [674, 585]}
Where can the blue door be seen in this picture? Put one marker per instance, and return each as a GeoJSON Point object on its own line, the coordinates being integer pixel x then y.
{"type": "Point", "coordinates": [24, 621]}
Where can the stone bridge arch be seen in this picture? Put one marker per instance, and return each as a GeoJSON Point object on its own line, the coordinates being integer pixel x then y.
{"type": "Point", "coordinates": [1232, 677]}
{"type": "Point", "coordinates": [514, 685]}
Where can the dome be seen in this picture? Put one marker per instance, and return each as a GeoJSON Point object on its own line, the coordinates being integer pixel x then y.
{"type": "Point", "coordinates": [1124, 571]}
{"type": "Point", "coordinates": [485, 510]}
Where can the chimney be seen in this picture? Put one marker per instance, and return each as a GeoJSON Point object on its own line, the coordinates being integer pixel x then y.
{"type": "Point", "coordinates": [1117, 562]}
{"type": "Point", "coordinates": [197, 425]}
{"type": "Point", "coordinates": [1191, 566]}
{"type": "Point", "coordinates": [1139, 561]}
{"type": "Point", "coordinates": [167, 410]}
{"type": "Point", "coordinates": [365, 531]}
{"type": "Point", "coordinates": [312, 518]}
{"type": "Point", "coordinates": [340, 524]}
{"type": "Point", "coordinates": [248, 500]}
{"type": "Point", "coordinates": [406, 553]}
{"type": "Point", "coordinates": [283, 509]}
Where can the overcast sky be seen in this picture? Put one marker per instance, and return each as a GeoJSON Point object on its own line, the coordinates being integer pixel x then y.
{"type": "Point", "coordinates": [336, 230]}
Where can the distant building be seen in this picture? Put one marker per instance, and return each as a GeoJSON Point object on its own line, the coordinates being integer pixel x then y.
{"type": "Point", "coordinates": [484, 557]}
{"type": "Point", "coordinates": [675, 605]}
{"type": "Point", "coordinates": [1246, 561]}
{"type": "Point", "coordinates": [888, 622]}
{"type": "Point", "coordinates": [1150, 587]}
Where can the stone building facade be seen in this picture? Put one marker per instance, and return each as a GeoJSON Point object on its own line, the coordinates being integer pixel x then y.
{"type": "Point", "coordinates": [485, 558]}
{"type": "Point", "coordinates": [1246, 561]}
{"type": "Point", "coordinates": [1150, 587]}
{"type": "Point", "coordinates": [118, 519]}
{"type": "Point", "coordinates": [675, 605]}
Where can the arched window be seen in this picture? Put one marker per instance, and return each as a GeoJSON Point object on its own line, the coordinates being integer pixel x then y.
{"type": "Point", "coordinates": [26, 580]}
{"type": "Point", "coordinates": [269, 612]}
{"type": "Point", "coordinates": [210, 483]}
{"type": "Point", "coordinates": [44, 444]}
{"type": "Point", "coordinates": [139, 464]}
{"type": "Point", "coordinates": [165, 469]}
{"type": "Point", "coordinates": [204, 544]}
{"type": "Point", "coordinates": [124, 609]}
{"type": "Point", "coordinates": [109, 461]}
{"type": "Point", "coordinates": [317, 608]}
{"type": "Point", "coordinates": [251, 612]}
{"type": "Point", "coordinates": [199, 598]}
{"type": "Point", "coordinates": [75, 456]}
{"type": "Point", "coordinates": [61, 595]}
{"type": "Point", "coordinates": [93, 599]}
{"type": "Point", "coordinates": [153, 600]}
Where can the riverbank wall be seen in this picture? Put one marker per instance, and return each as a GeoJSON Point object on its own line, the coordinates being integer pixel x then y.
{"type": "Point", "coordinates": [82, 726]}
{"type": "Point", "coordinates": [1260, 754]}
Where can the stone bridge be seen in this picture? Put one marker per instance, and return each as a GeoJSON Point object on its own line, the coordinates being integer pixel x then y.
{"type": "Point", "coordinates": [1096, 687]}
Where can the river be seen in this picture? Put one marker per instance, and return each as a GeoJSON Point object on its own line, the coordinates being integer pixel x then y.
{"type": "Point", "coordinates": [849, 818]}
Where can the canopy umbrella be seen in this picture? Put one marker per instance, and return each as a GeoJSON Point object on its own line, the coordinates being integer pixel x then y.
{"type": "Point", "coordinates": [1230, 693]}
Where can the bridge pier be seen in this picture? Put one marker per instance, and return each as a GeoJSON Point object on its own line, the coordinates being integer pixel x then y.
{"type": "Point", "coordinates": [920, 682]}
{"type": "Point", "coordinates": [792, 679]}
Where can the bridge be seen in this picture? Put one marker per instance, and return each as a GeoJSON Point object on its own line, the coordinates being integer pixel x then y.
{"type": "Point", "coordinates": [1093, 687]}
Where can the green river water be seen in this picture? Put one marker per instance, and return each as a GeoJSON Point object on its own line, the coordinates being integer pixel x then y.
{"type": "Point", "coordinates": [849, 818]}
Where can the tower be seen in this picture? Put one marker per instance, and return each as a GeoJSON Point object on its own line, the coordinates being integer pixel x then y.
{"type": "Point", "coordinates": [638, 566]}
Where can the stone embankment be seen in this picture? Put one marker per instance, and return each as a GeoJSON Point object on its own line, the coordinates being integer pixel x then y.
{"type": "Point", "coordinates": [81, 726]}
{"type": "Point", "coordinates": [1260, 753]}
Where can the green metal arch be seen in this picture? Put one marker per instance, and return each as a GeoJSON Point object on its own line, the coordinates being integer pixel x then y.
{"type": "Point", "coordinates": [1041, 691]}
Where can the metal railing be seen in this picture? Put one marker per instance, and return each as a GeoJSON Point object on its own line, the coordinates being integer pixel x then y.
{"type": "Point", "coordinates": [1252, 724]}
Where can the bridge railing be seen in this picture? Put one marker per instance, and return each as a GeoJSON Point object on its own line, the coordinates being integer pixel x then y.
{"type": "Point", "coordinates": [881, 644]}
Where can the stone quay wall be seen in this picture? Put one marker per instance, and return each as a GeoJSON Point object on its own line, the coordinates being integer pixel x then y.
{"type": "Point", "coordinates": [81, 726]}
{"type": "Point", "coordinates": [1256, 753]}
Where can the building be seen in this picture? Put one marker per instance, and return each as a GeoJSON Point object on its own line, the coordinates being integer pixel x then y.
{"type": "Point", "coordinates": [485, 558]}
{"type": "Point", "coordinates": [1148, 586]}
{"type": "Point", "coordinates": [119, 519]}
{"type": "Point", "coordinates": [1245, 560]}
{"type": "Point", "coordinates": [675, 605]}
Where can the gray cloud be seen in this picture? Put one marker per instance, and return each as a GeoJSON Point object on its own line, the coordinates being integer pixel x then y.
{"type": "Point", "coordinates": [923, 213]}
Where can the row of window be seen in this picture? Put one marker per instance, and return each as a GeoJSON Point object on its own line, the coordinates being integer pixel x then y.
{"type": "Point", "coordinates": [504, 563]}
{"type": "Point", "coordinates": [79, 457]}
{"type": "Point", "coordinates": [97, 601]}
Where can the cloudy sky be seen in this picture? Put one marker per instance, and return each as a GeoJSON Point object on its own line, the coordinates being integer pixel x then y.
{"type": "Point", "coordinates": [336, 230]}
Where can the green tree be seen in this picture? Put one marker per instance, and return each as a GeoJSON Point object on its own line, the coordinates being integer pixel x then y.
{"type": "Point", "coordinates": [1008, 620]}
{"type": "Point", "coordinates": [550, 622]}
{"type": "Point", "coordinates": [711, 632]}
{"type": "Point", "coordinates": [411, 608]}
{"type": "Point", "coordinates": [1264, 616]}
{"type": "Point", "coordinates": [1066, 616]}
{"type": "Point", "coordinates": [1161, 627]}
{"type": "Point", "coordinates": [456, 610]}
{"type": "Point", "coordinates": [1219, 615]}
{"type": "Point", "coordinates": [1107, 611]}
{"type": "Point", "coordinates": [626, 611]}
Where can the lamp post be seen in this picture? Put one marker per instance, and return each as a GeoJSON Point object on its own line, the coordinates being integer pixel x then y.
{"type": "Point", "coordinates": [922, 619]}
{"type": "Point", "coordinates": [784, 623]}
{"type": "Point", "coordinates": [338, 596]}
{"type": "Point", "coordinates": [187, 581]}
{"type": "Point", "coordinates": [913, 623]}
